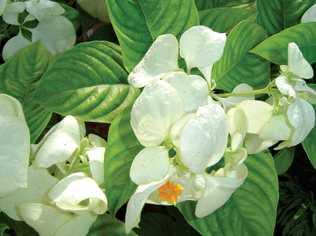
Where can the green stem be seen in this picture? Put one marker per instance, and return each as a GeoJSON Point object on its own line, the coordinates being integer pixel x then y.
{"type": "Point", "coordinates": [267, 90]}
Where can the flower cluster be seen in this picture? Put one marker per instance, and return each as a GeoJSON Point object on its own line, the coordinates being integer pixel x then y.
{"type": "Point", "coordinates": [38, 20]}
{"type": "Point", "coordinates": [195, 140]}
{"type": "Point", "coordinates": [55, 184]}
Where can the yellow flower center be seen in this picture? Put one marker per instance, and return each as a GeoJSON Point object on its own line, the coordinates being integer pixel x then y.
{"type": "Point", "coordinates": [170, 192]}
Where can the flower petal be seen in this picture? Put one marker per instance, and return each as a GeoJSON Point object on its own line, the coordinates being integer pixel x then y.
{"type": "Point", "coordinates": [47, 220]}
{"type": "Point", "coordinates": [238, 125]}
{"type": "Point", "coordinates": [12, 11]}
{"type": "Point", "coordinates": [96, 157]}
{"type": "Point", "coordinates": [255, 144]}
{"type": "Point", "coordinates": [13, 45]}
{"type": "Point", "coordinates": [161, 58]}
{"type": "Point", "coordinates": [192, 89]}
{"type": "Point", "coordinates": [301, 116]}
{"type": "Point", "coordinates": [234, 100]}
{"type": "Point", "coordinates": [218, 190]}
{"type": "Point", "coordinates": [309, 15]}
{"type": "Point", "coordinates": [70, 193]}
{"type": "Point", "coordinates": [154, 111]}
{"type": "Point", "coordinates": [305, 92]}
{"type": "Point", "coordinates": [285, 86]}
{"type": "Point", "coordinates": [56, 33]}
{"type": "Point", "coordinates": [96, 141]}
{"type": "Point", "coordinates": [39, 182]}
{"type": "Point", "coordinates": [150, 164]}
{"type": "Point", "coordinates": [297, 63]}
{"type": "Point", "coordinates": [204, 138]}
{"type": "Point", "coordinates": [258, 113]}
{"type": "Point", "coordinates": [79, 225]}
{"type": "Point", "coordinates": [14, 146]}
{"type": "Point", "coordinates": [200, 46]}
{"type": "Point", "coordinates": [59, 143]}
{"type": "Point", "coordinates": [137, 202]}
{"type": "Point", "coordinates": [10, 106]}
{"type": "Point", "coordinates": [276, 129]}
{"type": "Point", "coordinates": [42, 9]}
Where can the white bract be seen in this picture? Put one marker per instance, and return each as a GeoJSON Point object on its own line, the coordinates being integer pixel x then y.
{"type": "Point", "coordinates": [53, 30]}
{"type": "Point", "coordinates": [65, 204]}
{"type": "Point", "coordinates": [199, 46]}
{"type": "Point", "coordinates": [291, 81]}
{"type": "Point", "coordinates": [309, 15]}
{"type": "Point", "coordinates": [14, 146]}
{"type": "Point", "coordinates": [254, 125]}
{"type": "Point", "coordinates": [174, 114]}
{"type": "Point", "coordinates": [299, 112]}
{"type": "Point", "coordinates": [50, 221]}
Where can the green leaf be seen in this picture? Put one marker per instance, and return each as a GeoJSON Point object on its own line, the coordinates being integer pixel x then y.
{"type": "Point", "coordinates": [237, 65]}
{"type": "Point", "coordinates": [108, 225]}
{"type": "Point", "coordinates": [309, 143]}
{"type": "Point", "coordinates": [207, 4]}
{"type": "Point", "coordinates": [20, 76]}
{"type": "Point", "coordinates": [137, 23]}
{"type": "Point", "coordinates": [275, 48]}
{"type": "Point", "coordinates": [283, 160]}
{"type": "Point", "coordinates": [89, 82]}
{"type": "Point", "coordinates": [252, 208]}
{"type": "Point", "coordinates": [223, 19]}
{"type": "Point", "coordinates": [276, 15]}
{"type": "Point", "coordinates": [121, 149]}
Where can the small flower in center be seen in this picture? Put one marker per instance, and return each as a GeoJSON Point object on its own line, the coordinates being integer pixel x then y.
{"type": "Point", "coordinates": [170, 192]}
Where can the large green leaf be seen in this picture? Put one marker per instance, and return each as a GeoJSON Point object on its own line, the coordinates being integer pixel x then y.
{"type": "Point", "coordinates": [276, 15]}
{"type": "Point", "coordinates": [237, 65]}
{"type": "Point", "coordinates": [107, 225]}
{"type": "Point", "coordinates": [275, 47]}
{"type": "Point", "coordinates": [223, 19]}
{"type": "Point", "coordinates": [283, 160]}
{"type": "Point", "coordinates": [252, 208]}
{"type": "Point", "coordinates": [137, 23]}
{"type": "Point", "coordinates": [309, 146]}
{"type": "Point", "coordinates": [88, 82]}
{"type": "Point", "coordinates": [19, 77]}
{"type": "Point", "coordinates": [207, 4]}
{"type": "Point", "coordinates": [121, 149]}
{"type": "Point", "coordinates": [309, 143]}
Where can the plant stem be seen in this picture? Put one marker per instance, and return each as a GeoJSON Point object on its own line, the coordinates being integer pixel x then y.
{"type": "Point", "coordinates": [267, 90]}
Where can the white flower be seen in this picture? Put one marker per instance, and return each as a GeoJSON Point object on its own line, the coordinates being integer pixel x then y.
{"type": "Point", "coordinates": [39, 183]}
{"type": "Point", "coordinates": [50, 221]}
{"type": "Point", "coordinates": [254, 125]}
{"type": "Point", "coordinates": [199, 46]}
{"type": "Point", "coordinates": [290, 82]}
{"type": "Point", "coordinates": [174, 114]}
{"type": "Point", "coordinates": [14, 146]}
{"type": "Point", "coordinates": [54, 31]}
{"type": "Point", "coordinates": [161, 181]}
{"type": "Point", "coordinates": [309, 15]}
{"type": "Point", "coordinates": [41, 9]}
{"type": "Point", "coordinates": [70, 193]}
{"type": "Point", "coordinates": [59, 143]}
{"type": "Point", "coordinates": [301, 117]}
